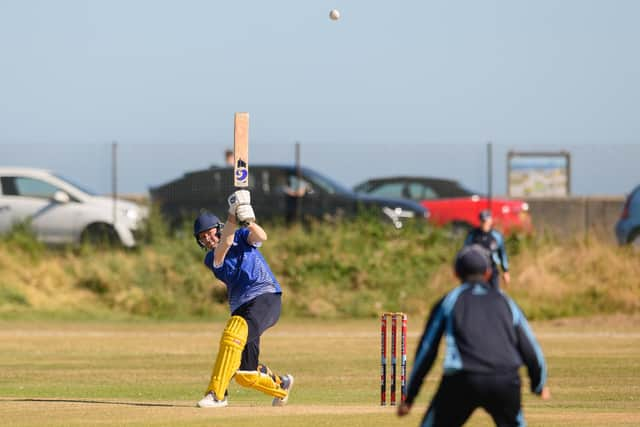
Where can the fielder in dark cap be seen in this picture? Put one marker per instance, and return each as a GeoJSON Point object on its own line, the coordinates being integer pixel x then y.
{"type": "Point", "coordinates": [492, 240]}
{"type": "Point", "coordinates": [487, 340]}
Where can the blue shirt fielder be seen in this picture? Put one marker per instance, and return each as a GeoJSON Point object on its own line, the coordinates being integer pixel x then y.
{"type": "Point", "coordinates": [493, 241]}
{"type": "Point", "coordinates": [487, 340]}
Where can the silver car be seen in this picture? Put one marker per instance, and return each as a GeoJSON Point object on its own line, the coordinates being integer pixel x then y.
{"type": "Point", "coordinates": [60, 212]}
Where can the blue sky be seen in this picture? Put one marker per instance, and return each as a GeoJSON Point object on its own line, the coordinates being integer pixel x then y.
{"type": "Point", "coordinates": [416, 87]}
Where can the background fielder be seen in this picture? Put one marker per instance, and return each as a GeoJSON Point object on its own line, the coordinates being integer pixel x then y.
{"type": "Point", "coordinates": [254, 298]}
{"type": "Point", "coordinates": [492, 240]}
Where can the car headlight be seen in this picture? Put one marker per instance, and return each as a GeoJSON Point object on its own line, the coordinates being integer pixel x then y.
{"type": "Point", "coordinates": [401, 213]}
{"type": "Point", "coordinates": [132, 214]}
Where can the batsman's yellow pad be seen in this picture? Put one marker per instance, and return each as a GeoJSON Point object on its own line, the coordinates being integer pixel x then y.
{"type": "Point", "coordinates": [261, 382]}
{"type": "Point", "coordinates": [232, 342]}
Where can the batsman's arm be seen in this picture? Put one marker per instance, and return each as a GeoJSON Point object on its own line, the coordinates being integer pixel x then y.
{"type": "Point", "coordinates": [226, 240]}
{"type": "Point", "coordinates": [257, 235]}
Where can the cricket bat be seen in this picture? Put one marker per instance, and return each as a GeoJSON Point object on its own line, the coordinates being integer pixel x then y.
{"type": "Point", "coordinates": [241, 151]}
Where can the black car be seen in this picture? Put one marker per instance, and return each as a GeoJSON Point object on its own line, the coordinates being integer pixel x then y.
{"type": "Point", "coordinates": [277, 192]}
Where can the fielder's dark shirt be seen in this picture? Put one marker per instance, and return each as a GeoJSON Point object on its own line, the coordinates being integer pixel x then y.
{"type": "Point", "coordinates": [485, 333]}
{"type": "Point", "coordinates": [493, 241]}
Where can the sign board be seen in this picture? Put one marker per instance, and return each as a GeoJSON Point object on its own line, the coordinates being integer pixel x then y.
{"type": "Point", "coordinates": [539, 174]}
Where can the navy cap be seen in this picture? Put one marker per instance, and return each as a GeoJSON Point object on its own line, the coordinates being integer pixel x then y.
{"type": "Point", "coordinates": [473, 259]}
{"type": "Point", "coordinates": [484, 215]}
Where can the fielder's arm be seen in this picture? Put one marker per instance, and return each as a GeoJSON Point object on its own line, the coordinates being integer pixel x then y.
{"type": "Point", "coordinates": [530, 351]}
{"type": "Point", "coordinates": [427, 351]}
{"type": "Point", "coordinates": [504, 260]}
{"type": "Point", "coordinates": [502, 251]}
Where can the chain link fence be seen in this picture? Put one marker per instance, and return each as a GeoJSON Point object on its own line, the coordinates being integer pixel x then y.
{"type": "Point", "coordinates": [600, 175]}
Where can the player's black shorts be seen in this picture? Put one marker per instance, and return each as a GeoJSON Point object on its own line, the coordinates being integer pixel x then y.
{"type": "Point", "coordinates": [261, 313]}
{"type": "Point", "coordinates": [460, 394]}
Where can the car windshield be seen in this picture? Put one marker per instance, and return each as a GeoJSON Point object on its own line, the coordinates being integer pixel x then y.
{"type": "Point", "coordinates": [327, 184]}
{"type": "Point", "coordinates": [79, 187]}
{"type": "Point", "coordinates": [417, 189]}
{"type": "Point", "coordinates": [464, 191]}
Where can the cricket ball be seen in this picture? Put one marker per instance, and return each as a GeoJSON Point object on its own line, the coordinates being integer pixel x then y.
{"type": "Point", "coordinates": [334, 14]}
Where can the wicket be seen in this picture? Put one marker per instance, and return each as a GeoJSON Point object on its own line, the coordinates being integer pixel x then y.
{"type": "Point", "coordinates": [383, 357]}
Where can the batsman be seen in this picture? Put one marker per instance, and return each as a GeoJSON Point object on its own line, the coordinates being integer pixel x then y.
{"type": "Point", "coordinates": [254, 298]}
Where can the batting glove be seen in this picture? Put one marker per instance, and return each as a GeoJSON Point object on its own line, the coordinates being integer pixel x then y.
{"type": "Point", "coordinates": [238, 198]}
{"type": "Point", "coordinates": [245, 215]}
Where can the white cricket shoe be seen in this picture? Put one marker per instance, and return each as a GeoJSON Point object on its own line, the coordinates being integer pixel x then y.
{"type": "Point", "coordinates": [209, 401]}
{"type": "Point", "coordinates": [288, 386]}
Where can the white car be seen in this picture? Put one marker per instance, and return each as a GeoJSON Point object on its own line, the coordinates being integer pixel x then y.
{"type": "Point", "coordinates": [60, 212]}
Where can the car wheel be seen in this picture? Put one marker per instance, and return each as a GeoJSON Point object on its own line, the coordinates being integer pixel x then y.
{"type": "Point", "coordinates": [100, 234]}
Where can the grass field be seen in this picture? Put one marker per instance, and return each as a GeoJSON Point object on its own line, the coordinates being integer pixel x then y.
{"type": "Point", "coordinates": [151, 374]}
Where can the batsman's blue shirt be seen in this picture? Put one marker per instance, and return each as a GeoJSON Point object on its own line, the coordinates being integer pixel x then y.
{"type": "Point", "coordinates": [244, 271]}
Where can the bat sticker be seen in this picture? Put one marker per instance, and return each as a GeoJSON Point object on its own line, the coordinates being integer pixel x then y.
{"type": "Point", "coordinates": [242, 174]}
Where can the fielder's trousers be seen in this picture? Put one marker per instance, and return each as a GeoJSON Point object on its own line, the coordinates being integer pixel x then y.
{"type": "Point", "coordinates": [460, 394]}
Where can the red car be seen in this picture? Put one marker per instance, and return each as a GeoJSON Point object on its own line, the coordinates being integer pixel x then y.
{"type": "Point", "coordinates": [450, 203]}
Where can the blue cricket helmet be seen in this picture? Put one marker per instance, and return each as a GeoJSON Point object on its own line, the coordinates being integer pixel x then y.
{"type": "Point", "coordinates": [205, 221]}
